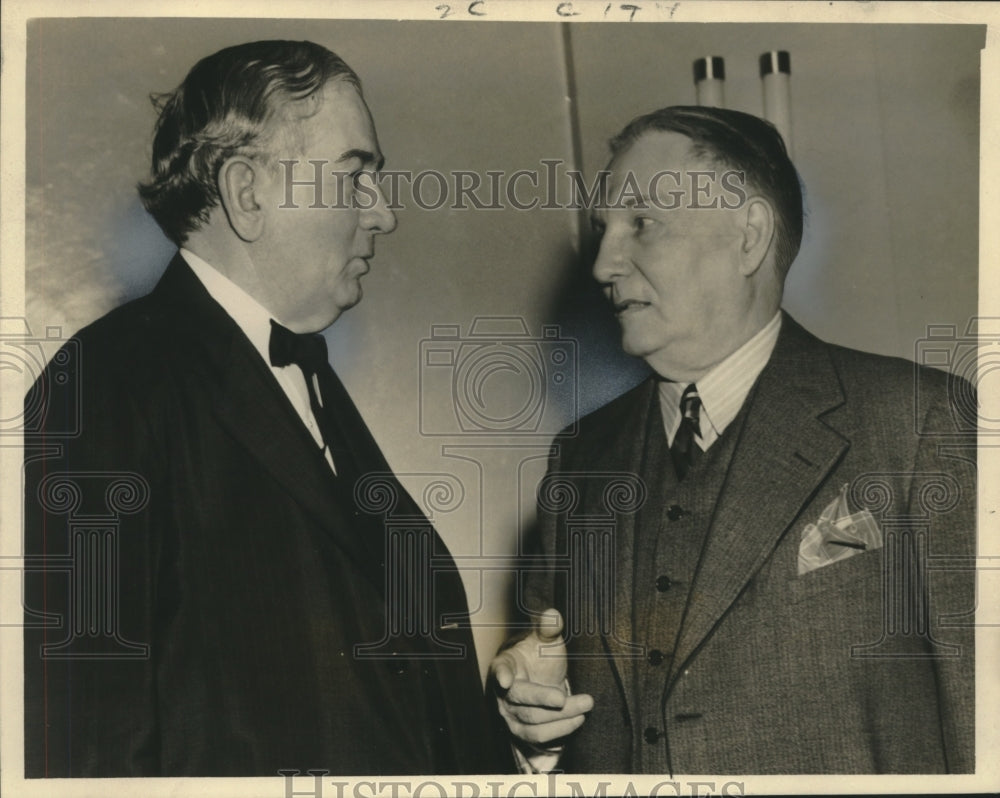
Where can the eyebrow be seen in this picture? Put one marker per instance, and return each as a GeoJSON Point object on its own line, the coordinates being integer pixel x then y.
{"type": "Point", "coordinates": [365, 156]}
{"type": "Point", "coordinates": [643, 202]}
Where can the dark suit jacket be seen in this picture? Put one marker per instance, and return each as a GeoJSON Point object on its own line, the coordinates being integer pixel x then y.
{"type": "Point", "coordinates": [776, 672]}
{"type": "Point", "coordinates": [229, 578]}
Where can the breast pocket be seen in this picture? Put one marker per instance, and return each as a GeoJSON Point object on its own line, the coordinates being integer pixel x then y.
{"type": "Point", "coordinates": [857, 576]}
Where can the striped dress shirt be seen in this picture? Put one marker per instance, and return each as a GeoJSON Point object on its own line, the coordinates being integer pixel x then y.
{"type": "Point", "coordinates": [723, 390]}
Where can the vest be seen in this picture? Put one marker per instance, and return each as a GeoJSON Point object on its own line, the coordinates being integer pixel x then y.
{"type": "Point", "coordinates": [670, 533]}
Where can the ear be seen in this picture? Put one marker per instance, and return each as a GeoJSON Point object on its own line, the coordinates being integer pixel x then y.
{"type": "Point", "coordinates": [239, 182]}
{"type": "Point", "coordinates": [758, 232]}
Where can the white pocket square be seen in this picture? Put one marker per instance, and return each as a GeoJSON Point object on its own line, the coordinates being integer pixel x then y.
{"type": "Point", "coordinates": [837, 535]}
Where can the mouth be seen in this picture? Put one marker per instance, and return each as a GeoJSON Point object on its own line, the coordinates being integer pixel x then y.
{"type": "Point", "coordinates": [625, 307]}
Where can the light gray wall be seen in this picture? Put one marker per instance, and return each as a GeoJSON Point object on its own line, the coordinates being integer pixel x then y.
{"type": "Point", "coordinates": [886, 139]}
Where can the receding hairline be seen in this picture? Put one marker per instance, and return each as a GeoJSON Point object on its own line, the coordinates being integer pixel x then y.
{"type": "Point", "coordinates": [695, 155]}
{"type": "Point", "coordinates": [690, 154]}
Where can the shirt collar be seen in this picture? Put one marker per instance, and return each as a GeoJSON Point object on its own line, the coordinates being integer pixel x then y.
{"type": "Point", "coordinates": [724, 389]}
{"type": "Point", "coordinates": [250, 316]}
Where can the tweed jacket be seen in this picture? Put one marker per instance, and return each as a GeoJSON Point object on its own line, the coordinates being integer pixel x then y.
{"type": "Point", "coordinates": [864, 665]}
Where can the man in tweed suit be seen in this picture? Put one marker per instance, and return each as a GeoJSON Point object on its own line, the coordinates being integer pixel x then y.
{"type": "Point", "coordinates": [768, 592]}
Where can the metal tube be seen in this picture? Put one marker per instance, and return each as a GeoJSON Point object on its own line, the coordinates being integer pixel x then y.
{"type": "Point", "coordinates": [776, 77]}
{"type": "Point", "coordinates": [709, 81]}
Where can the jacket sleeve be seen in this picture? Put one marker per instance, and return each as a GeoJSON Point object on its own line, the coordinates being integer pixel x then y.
{"type": "Point", "coordinates": [536, 589]}
{"type": "Point", "coordinates": [943, 489]}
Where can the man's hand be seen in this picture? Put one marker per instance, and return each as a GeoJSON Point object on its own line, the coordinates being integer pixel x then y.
{"type": "Point", "coordinates": [531, 686]}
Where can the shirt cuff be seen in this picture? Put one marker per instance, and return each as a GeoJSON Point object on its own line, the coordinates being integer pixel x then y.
{"type": "Point", "coordinates": [533, 759]}
{"type": "Point", "coordinates": [538, 761]}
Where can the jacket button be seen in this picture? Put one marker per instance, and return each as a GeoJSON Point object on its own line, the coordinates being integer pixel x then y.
{"type": "Point", "coordinates": [663, 583]}
{"type": "Point", "coordinates": [651, 735]}
{"type": "Point", "coordinates": [675, 511]}
{"type": "Point", "coordinates": [655, 657]}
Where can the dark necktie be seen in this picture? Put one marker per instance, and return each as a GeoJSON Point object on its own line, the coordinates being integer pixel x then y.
{"type": "Point", "coordinates": [308, 352]}
{"type": "Point", "coordinates": [684, 450]}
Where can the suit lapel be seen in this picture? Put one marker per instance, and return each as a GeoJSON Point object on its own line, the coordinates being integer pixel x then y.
{"type": "Point", "coordinates": [248, 402]}
{"type": "Point", "coordinates": [783, 455]}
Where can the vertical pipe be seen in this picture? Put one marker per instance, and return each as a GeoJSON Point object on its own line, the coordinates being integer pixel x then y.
{"type": "Point", "coordinates": [581, 221]}
{"type": "Point", "coordinates": [776, 77]}
{"type": "Point", "coordinates": [709, 80]}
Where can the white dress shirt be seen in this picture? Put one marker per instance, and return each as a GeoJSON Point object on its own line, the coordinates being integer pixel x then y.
{"type": "Point", "coordinates": [255, 322]}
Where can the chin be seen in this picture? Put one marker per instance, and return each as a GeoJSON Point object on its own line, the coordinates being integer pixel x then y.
{"type": "Point", "coordinates": [336, 312]}
{"type": "Point", "coordinates": [348, 299]}
{"type": "Point", "coordinates": [351, 303]}
{"type": "Point", "coordinates": [634, 345]}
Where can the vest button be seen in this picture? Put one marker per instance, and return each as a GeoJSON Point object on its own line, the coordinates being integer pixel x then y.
{"type": "Point", "coordinates": [675, 512]}
{"type": "Point", "coordinates": [651, 735]}
{"type": "Point", "coordinates": [655, 657]}
{"type": "Point", "coordinates": [663, 583]}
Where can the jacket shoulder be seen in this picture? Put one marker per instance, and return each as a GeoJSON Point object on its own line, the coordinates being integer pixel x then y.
{"type": "Point", "coordinates": [112, 373]}
{"type": "Point", "coordinates": [128, 335]}
{"type": "Point", "coordinates": [920, 398]}
{"type": "Point", "coordinates": [884, 374]}
{"type": "Point", "coordinates": [599, 429]}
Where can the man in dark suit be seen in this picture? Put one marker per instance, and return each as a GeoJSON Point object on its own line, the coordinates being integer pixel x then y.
{"type": "Point", "coordinates": [217, 582]}
{"type": "Point", "coordinates": [761, 556]}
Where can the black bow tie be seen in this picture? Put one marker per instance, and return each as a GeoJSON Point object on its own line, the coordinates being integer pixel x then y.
{"type": "Point", "coordinates": [306, 350]}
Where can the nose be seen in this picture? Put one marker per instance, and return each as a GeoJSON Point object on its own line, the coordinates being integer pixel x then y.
{"type": "Point", "coordinates": [611, 262]}
{"type": "Point", "coordinates": [377, 216]}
